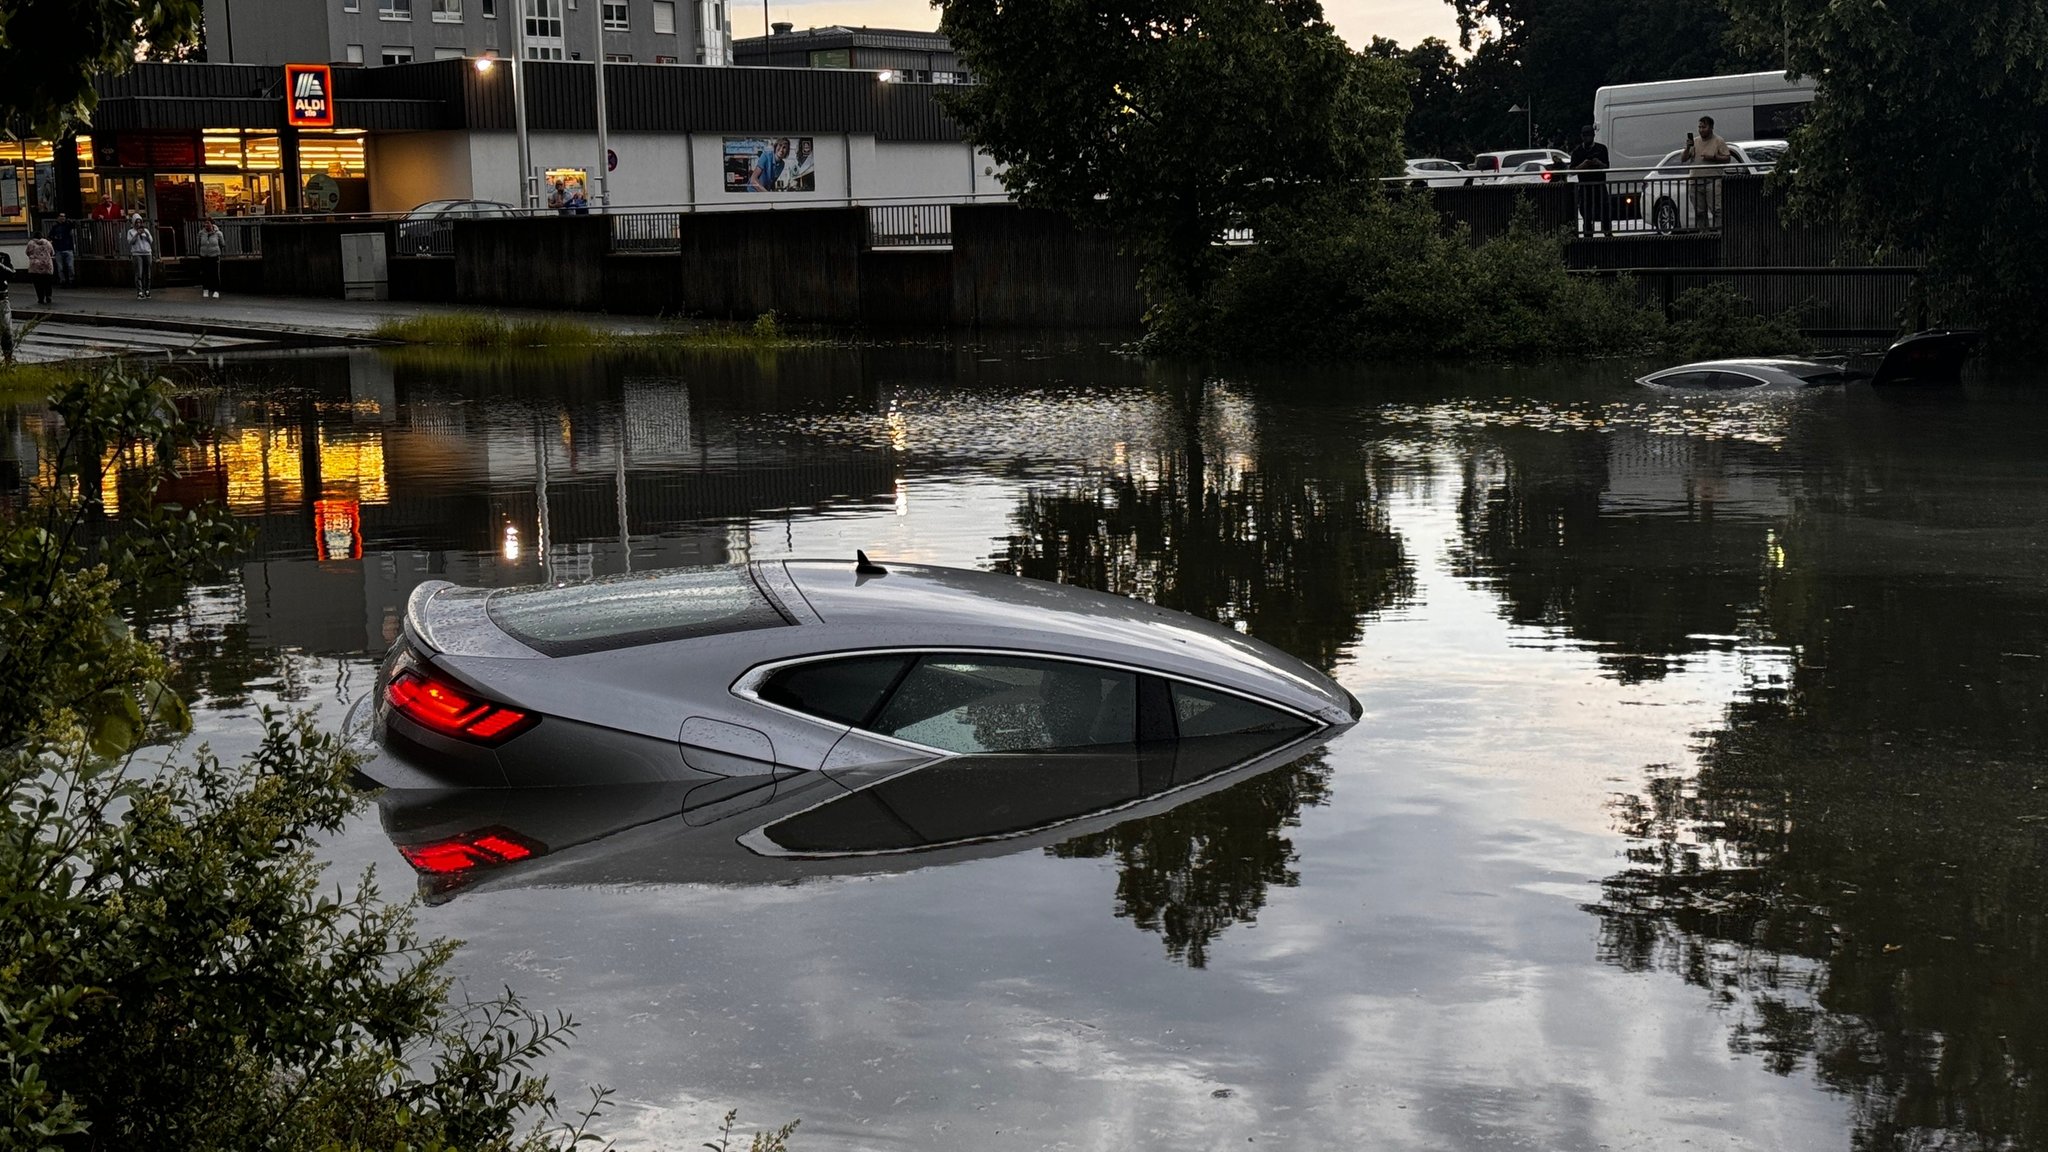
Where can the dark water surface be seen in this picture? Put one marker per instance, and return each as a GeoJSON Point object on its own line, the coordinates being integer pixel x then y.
{"type": "Point", "coordinates": [1699, 798]}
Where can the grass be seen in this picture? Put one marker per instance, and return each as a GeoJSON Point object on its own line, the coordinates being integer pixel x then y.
{"type": "Point", "coordinates": [21, 383]}
{"type": "Point", "coordinates": [483, 331]}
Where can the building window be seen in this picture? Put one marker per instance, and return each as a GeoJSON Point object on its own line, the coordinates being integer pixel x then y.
{"type": "Point", "coordinates": [448, 11]}
{"type": "Point", "coordinates": [615, 15]}
{"type": "Point", "coordinates": [394, 9]}
{"type": "Point", "coordinates": [618, 57]}
{"type": "Point", "coordinates": [353, 54]}
{"type": "Point", "coordinates": [664, 59]}
{"type": "Point", "coordinates": [544, 30]}
{"type": "Point", "coordinates": [665, 17]}
{"type": "Point", "coordinates": [490, 9]}
{"type": "Point", "coordinates": [447, 53]}
{"type": "Point", "coordinates": [394, 54]}
{"type": "Point", "coordinates": [351, 5]}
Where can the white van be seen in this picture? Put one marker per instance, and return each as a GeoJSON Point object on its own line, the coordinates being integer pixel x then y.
{"type": "Point", "coordinates": [1641, 123]}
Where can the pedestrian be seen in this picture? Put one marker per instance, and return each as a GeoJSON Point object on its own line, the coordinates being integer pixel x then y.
{"type": "Point", "coordinates": [1709, 153]}
{"type": "Point", "coordinates": [42, 265]}
{"type": "Point", "coordinates": [210, 244]}
{"type": "Point", "coordinates": [106, 210]}
{"type": "Point", "coordinates": [64, 237]}
{"type": "Point", "coordinates": [7, 275]}
{"type": "Point", "coordinates": [1590, 161]}
{"type": "Point", "coordinates": [142, 247]}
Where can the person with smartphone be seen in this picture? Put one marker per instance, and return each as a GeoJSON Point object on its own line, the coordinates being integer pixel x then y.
{"type": "Point", "coordinates": [1708, 154]}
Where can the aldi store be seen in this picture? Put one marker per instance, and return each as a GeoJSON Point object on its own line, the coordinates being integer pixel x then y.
{"type": "Point", "coordinates": [180, 141]}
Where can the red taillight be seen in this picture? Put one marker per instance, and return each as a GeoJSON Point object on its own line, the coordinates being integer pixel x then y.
{"type": "Point", "coordinates": [446, 709]}
{"type": "Point", "coordinates": [467, 853]}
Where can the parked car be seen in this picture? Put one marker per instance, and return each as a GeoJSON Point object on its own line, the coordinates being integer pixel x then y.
{"type": "Point", "coordinates": [1431, 172]}
{"type": "Point", "coordinates": [1534, 172]}
{"type": "Point", "coordinates": [1488, 167]}
{"type": "Point", "coordinates": [1665, 195]}
{"type": "Point", "coordinates": [761, 670]}
{"type": "Point", "coordinates": [425, 229]}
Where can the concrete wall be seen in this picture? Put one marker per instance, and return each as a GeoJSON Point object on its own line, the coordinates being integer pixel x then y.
{"type": "Point", "coordinates": [410, 168]}
{"type": "Point", "coordinates": [671, 170]}
{"type": "Point", "coordinates": [1025, 267]}
{"type": "Point", "coordinates": [537, 262]}
{"type": "Point", "coordinates": [1010, 267]}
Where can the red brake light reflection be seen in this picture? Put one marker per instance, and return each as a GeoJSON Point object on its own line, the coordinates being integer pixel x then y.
{"type": "Point", "coordinates": [469, 852]}
{"type": "Point", "coordinates": [446, 709]}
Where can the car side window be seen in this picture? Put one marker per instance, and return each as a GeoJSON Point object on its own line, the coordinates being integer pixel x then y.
{"type": "Point", "coordinates": [1206, 712]}
{"type": "Point", "coordinates": [965, 703]}
{"type": "Point", "coordinates": [842, 691]}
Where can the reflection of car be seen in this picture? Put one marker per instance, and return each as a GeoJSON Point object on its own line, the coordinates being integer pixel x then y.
{"type": "Point", "coordinates": [708, 674]}
{"type": "Point", "coordinates": [1666, 193]}
{"type": "Point", "coordinates": [775, 829]}
{"type": "Point", "coordinates": [1489, 166]}
{"type": "Point", "coordinates": [1932, 357]}
{"type": "Point", "coordinates": [426, 228]}
{"type": "Point", "coordinates": [1430, 172]}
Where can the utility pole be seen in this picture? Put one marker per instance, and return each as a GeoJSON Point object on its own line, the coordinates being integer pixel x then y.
{"type": "Point", "coordinates": [604, 148]}
{"type": "Point", "coordinates": [519, 102]}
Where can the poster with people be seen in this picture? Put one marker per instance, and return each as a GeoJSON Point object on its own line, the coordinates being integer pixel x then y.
{"type": "Point", "coordinates": [567, 190]}
{"type": "Point", "coordinates": [770, 164]}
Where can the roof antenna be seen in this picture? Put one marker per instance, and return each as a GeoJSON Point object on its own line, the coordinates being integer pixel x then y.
{"type": "Point", "coordinates": [862, 566]}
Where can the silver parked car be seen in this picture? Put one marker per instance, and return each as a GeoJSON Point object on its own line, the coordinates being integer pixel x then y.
{"type": "Point", "coordinates": [1667, 194]}
{"type": "Point", "coordinates": [699, 675]}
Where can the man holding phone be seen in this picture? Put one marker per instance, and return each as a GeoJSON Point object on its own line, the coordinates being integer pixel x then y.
{"type": "Point", "coordinates": [1708, 153]}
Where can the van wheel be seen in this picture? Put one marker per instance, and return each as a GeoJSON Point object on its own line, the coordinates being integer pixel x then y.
{"type": "Point", "coordinates": [1664, 217]}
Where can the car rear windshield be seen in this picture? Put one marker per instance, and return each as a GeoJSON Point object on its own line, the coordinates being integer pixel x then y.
{"type": "Point", "coordinates": [624, 611]}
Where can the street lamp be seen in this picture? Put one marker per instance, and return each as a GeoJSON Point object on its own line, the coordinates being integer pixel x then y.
{"type": "Point", "coordinates": [1528, 110]}
{"type": "Point", "coordinates": [526, 191]}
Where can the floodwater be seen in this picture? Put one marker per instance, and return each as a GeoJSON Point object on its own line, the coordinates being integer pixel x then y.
{"type": "Point", "coordinates": [1698, 800]}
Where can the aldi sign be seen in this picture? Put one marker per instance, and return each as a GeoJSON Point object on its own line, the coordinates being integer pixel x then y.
{"type": "Point", "coordinates": [309, 96]}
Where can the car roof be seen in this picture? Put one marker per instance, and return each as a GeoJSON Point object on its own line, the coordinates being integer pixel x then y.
{"type": "Point", "coordinates": [954, 606]}
{"type": "Point", "coordinates": [839, 611]}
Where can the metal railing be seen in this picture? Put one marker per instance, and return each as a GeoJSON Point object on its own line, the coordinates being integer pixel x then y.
{"type": "Point", "coordinates": [431, 237]}
{"type": "Point", "coordinates": [239, 236]}
{"type": "Point", "coordinates": [1623, 200]}
{"type": "Point", "coordinates": [910, 226]}
{"type": "Point", "coordinates": [646, 232]}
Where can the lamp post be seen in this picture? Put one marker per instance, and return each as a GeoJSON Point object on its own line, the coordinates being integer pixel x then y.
{"type": "Point", "coordinates": [519, 101]}
{"type": "Point", "coordinates": [1528, 110]}
{"type": "Point", "coordinates": [604, 147]}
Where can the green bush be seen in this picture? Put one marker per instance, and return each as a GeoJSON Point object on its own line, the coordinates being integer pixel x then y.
{"type": "Point", "coordinates": [175, 970]}
{"type": "Point", "coordinates": [1381, 278]}
{"type": "Point", "coordinates": [1719, 322]}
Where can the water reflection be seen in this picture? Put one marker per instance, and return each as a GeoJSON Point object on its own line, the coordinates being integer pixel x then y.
{"type": "Point", "coordinates": [1668, 704]}
{"type": "Point", "coordinates": [1230, 517]}
{"type": "Point", "coordinates": [1852, 868]}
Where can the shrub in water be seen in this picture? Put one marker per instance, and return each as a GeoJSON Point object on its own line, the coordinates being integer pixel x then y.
{"type": "Point", "coordinates": [1381, 278]}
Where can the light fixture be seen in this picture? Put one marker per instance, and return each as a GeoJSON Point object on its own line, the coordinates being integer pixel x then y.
{"type": "Point", "coordinates": [484, 64]}
{"type": "Point", "coordinates": [886, 75]}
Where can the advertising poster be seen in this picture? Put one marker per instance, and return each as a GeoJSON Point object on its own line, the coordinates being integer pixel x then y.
{"type": "Point", "coordinates": [567, 190]}
{"type": "Point", "coordinates": [770, 164]}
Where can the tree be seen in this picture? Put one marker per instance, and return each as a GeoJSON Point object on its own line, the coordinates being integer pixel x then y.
{"type": "Point", "coordinates": [1928, 134]}
{"type": "Point", "coordinates": [1171, 120]}
{"type": "Point", "coordinates": [1553, 55]}
{"type": "Point", "coordinates": [51, 50]}
{"type": "Point", "coordinates": [177, 973]}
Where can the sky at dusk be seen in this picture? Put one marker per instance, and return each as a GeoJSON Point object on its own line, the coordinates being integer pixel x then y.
{"type": "Point", "coordinates": [1357, 20]}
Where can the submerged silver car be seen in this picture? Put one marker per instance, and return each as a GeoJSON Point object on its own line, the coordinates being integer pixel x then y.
{"type": "Point", "coordinates": [751, 671]}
